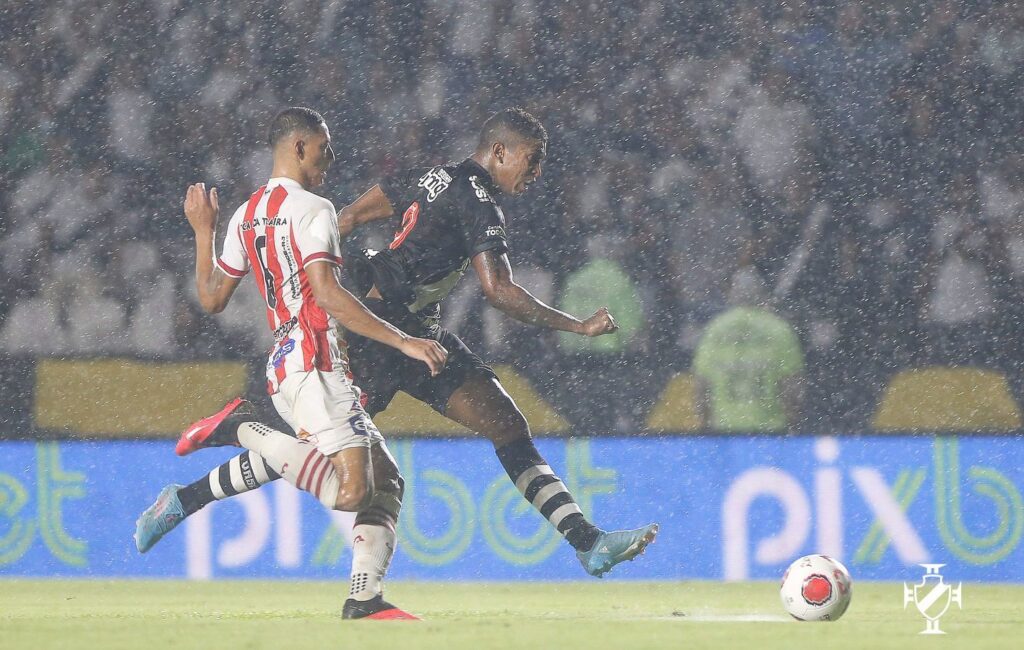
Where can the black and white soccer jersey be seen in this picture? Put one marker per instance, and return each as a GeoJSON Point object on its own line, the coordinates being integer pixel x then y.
{"type": "Point", "coordinates": [449, 214]}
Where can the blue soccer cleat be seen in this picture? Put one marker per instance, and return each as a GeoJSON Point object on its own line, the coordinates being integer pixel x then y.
{"type": "Point", "coordinates": [159, 519]}
{"type": "Point", "coordinates": [614, 547]}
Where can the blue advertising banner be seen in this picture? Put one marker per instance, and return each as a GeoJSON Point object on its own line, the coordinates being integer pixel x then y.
{"type": "Point", "coordinates": [730, 508]}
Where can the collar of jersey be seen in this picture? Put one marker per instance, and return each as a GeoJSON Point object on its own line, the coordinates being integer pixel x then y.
{"type": "Point", "coordinates": [283, 180]}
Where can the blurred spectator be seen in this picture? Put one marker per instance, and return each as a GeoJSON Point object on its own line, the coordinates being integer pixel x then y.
{"type": "Point", "coordinates": [748, 364]}
{"type": "Point", "coordinates": [39, 325]}
{"type": "Point", "coordinates": [96, 322]}
{"type": "Point", "coordinates": [602, 369]}
{"type": "Point", "coordinates": [961, 298]}
{"type": "Point", "coordinates": [601, 282]}
{"type": "Point", "coordinates": [130, 109]}
{"type": "Point", "coordinates": [773, 132]}
{"type": "Point", "coordinates": [153, 304]}
{"type": "Point", "coordinates": [699, 137]}
{"type": "Point", "coordinates": [713, 233]}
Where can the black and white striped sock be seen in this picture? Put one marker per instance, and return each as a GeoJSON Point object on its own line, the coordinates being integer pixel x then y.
{"type": "Point", "coordinates": [246, 471]}
{"type": "Point", "coordinates": [539, 485]}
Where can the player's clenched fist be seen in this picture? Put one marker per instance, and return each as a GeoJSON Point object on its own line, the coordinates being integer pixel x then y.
{"type": "Point", "coordinates": [428, 351]}
{"type": "Point", "coordinates": [600, 323]}
{"type": "Point", "coordinates": [201, 207]}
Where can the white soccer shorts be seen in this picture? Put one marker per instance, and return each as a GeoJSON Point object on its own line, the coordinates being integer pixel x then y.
{"type": "Point", "coordinates": [323, 408]}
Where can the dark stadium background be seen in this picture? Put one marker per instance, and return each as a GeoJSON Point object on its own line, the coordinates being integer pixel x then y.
{"type": "Point", "coordinates": [694, 137]}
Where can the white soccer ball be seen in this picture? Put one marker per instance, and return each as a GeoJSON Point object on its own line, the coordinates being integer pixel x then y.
{"type": "Point", "coordinates": [816, 588]}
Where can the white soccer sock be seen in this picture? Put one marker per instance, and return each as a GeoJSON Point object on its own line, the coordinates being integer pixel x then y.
{"type": "Point", "coordinates": [297, 461]}
{"type": "Point", "coordinates": [373, 547]}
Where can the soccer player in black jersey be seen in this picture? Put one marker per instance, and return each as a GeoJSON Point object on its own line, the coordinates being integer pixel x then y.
{"type": "Point", "coordinates": [451, 219]}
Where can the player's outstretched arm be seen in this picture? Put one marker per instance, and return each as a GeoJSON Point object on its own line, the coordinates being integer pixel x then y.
{"type": "Point", "coordinates": [354, 316]}
{"type": "Point", "coordinates": [505, 295]}
{"type": "Point", "coordinates": [202, 210]}
{"type": "Point", "coordinates": [371, 206]}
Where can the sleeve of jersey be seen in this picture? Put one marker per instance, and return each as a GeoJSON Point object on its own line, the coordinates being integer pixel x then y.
{"type": "Point", "coordinates": [233, 261]}
{"type": "Point", "coordinates": [486, 229]}
{"type": "Point", "coordinates": [318, 239]}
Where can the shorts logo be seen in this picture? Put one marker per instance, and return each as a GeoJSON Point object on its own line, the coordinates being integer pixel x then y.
{"type": "Point", "coordinates": [286, 346]}
{"type": "Point", "coordinates": [361, 424]}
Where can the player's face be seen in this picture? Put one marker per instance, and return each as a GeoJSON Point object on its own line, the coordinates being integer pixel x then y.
{"type": "Point", "coordinates": [317, 156]}
{"type": "Point", "coordinates": [521, 166]}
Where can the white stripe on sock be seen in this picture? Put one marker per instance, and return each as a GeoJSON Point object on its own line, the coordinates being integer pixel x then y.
{"type": "Point", "coordinates": [235, 475]}
{"type": "Point", "coordinates": [561, 513]}
{"type": "Point", "coordinates": [533, 472]}
{"type": "Point", "coordinates": [215, 484]}
{"type": "Point", "coordinates": [259, 469]}
{"type": "Point", "coordinates": [547, 492]}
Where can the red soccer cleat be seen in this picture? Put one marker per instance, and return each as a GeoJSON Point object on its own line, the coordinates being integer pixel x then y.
{"type": "Point", "coordinates": [204, 433]}
{"type": "Point", "coordinates": [393, 614]}
{"type": "Point", "coordinates": [375, 609]}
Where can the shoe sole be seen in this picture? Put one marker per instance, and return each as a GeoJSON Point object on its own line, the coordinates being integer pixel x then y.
{"type": "Point", "coordinates": [631, 552]}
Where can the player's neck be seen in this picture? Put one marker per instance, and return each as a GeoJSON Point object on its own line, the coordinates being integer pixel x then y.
{"type": "Point", "coordinates": [483, 159]}
{"type": "Point", "coordinates": [289, 172]}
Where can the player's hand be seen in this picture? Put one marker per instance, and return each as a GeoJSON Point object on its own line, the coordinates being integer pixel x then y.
{"type": "Point", "coordinates": [428, 351]}
{"type": "Point", "coordinates": [600, 323]}
{"type": "Point", "coordinates": [202, 208]}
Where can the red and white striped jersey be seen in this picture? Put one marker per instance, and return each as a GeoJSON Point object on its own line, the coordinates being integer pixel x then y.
{"type": "Point", "coordinates": [279, 232]}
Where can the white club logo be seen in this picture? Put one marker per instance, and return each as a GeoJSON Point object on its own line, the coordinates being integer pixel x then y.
{"type": "Point", "coordinates": [932, 597]}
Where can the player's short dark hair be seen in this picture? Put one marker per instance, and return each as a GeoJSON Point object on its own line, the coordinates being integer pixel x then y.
{"type": "Point", "coordinates": [514, 122]}
{"type": "Point", "coordinates": [291, 119]}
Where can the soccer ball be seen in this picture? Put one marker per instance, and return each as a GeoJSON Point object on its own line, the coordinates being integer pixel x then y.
{"type": "Point", "coordinates": [816, 588]}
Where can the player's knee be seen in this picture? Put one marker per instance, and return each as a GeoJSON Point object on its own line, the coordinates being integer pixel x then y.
{"type": "Point", "coordinates": [511, 427]}
{"type": "Point", "coordinates": [353, 497]}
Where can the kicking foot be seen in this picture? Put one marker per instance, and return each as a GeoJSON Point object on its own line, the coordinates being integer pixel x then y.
{"type": "Point", "coordinates": [614, 547]}
{"type": "Point", "coordinates": [159, 519]}
{"type": "Point", "coordinates": [375, 609]}
{"type": "Point", "coordinates": [208, 432]}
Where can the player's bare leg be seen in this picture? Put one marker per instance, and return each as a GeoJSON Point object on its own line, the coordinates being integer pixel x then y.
{"type": "Point", "coordinates": [483, 406]}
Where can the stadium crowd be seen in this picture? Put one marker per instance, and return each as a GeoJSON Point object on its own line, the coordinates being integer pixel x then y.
{"type": "Point", "coordinates": [863, 157]}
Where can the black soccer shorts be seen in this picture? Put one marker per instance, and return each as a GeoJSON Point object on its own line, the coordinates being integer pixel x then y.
{"type": "Point", "coordinates": [380, 371]}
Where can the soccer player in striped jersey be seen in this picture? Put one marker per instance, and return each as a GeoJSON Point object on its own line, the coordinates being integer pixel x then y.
{"type": "Point", "coordinates": [451, 219]}
{"type": "Point", "coordinates": [288, 237]}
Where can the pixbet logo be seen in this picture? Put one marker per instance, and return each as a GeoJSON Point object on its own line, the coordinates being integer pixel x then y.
{"type": "Point", "coordinates": [826, 513]}
{"type": "Point", "coordinates": [932, 597]}
{"type": "Point", "coordinates": [822, 508]}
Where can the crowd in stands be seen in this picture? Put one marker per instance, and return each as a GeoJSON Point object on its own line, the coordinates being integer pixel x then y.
{"type": "Point", "coordinates": [863, 158]}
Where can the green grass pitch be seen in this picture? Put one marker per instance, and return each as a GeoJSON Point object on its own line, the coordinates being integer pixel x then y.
{"type": "Point", "coordinates": [80, 615]}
